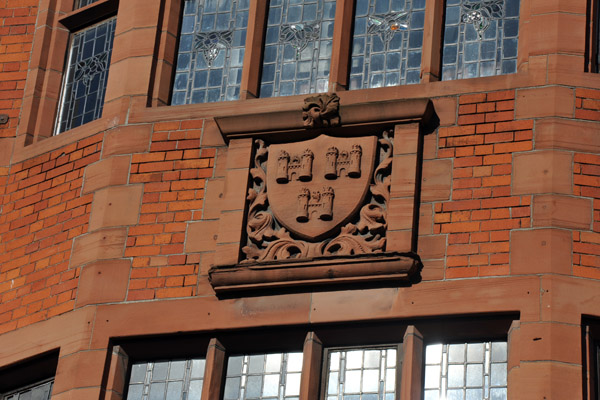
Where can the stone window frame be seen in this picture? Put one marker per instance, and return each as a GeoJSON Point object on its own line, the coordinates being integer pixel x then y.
{"type": "Point", "coordinates": [315, 341]}
{"type": "Point", "coordinates": [51, 37]}
{"type": "Point", "coordinates": [592, 46]}
{"type": "Point", "coordinates": [590, 347]}
{"type": "Point", "coordinates": [36, 371]}
{"type": "Point", "coordinates": [340, 58]}
{"type": "Point", "coordinates": [57, 19]}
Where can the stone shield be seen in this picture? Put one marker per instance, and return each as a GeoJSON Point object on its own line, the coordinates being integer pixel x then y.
{"type": "Point", "coordinates": [316, 186]}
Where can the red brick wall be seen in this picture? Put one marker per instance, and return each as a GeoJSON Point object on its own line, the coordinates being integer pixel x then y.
{"type": "Point", "coordinates": [42, 211]}
{"type": "Point", "coordinates": [482, 211]}
{"type": "Point", "coordinates": [17, 24]}
{"type": "Point", "coordinates": [174, 174]}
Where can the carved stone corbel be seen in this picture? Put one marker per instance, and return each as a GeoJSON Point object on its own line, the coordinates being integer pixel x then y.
{"type": "Point", "coordinates": [322, 111]}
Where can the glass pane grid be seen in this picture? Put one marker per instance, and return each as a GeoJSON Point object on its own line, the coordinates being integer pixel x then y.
{"type": "Point", "coordinates": [83, 3]}
{"type": "Point", "coordinates": [387, 43]}
{"type": "Point", "coordinates": [211, 51]}
{"type": "Point", "coordinates": [41, 391]}
{"type": "Point", "coordinates": [84, 86]}
{"type": "Point", "coordinates": [467, 371]}
{"type": "Point", "coordinates": [166, 380]}
{"type": "Point", "coordinates": [480, 38]}
{"type": "Point", "coordinates": [362, 374]}
{"type": "Point", "coordinates": [297, 49]}
{"type": "Point", "coordinates": [263, 376]}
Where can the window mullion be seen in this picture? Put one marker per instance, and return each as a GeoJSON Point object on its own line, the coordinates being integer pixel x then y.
{"type": "Point", "coordinates": [214, 372]}
{"type": "Point", "coordinates": [342, 40]}
{"type": "Point", "coordinates": [409, 383]}
{"type": "Point", "coordinates": [311, 367]}
{"type": "Point", "coordinates": [432, 41]}
{"type": "Point", "coordinates": [254, 49]}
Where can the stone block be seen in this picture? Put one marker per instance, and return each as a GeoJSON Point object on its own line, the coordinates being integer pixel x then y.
{"type": "Point", "coordinates": [116, 206]}
{"type": "Point", "coordinates": [543, 172]}
{"type": "Point", "coordinates": [541, 251]}
{"type": "Point", "coordinates": [103, 282]}
{"type": "Point", "coordinates": [562, 212]}
{"type": "Point", "coordinates": [108, 172]}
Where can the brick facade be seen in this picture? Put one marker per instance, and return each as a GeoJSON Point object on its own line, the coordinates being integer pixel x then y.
{"type": "Point", "coordinates": [108, 231]}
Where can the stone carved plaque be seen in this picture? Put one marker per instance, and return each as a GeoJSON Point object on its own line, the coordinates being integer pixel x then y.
{"type": "Point", "coordinates": [321, 197]}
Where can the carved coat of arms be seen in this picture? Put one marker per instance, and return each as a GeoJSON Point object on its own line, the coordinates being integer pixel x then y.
{"type": "Point", "coordinates": [321, 197]}
{"type": "Point", "coordinates": [315, 186]}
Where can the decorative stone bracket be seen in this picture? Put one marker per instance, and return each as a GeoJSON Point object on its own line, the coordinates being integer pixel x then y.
{"type": "Point", "coordinates": [320, 204]}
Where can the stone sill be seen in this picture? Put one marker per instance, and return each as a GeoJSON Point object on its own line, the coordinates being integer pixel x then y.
{"type": "Point", "coordinates": [322, 272]}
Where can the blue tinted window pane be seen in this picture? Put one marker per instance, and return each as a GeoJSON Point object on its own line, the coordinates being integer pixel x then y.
{"type": "Point", "coordinates": [263, 377]}
{"type": "Point", "coordinates": [166, 380]}
{"type": "Point", "coordinates": [84, 86]}
{"type": "Point", "coordinates": [297, 47]}
{"type": "Point", "coordinates": [480, 38]}
{"type": "Point", "coordinates": [387, 43]}
{"type": "Point", "coordinates": [40, 391]}
{"type": "Point", "coordinates": [211, 50]}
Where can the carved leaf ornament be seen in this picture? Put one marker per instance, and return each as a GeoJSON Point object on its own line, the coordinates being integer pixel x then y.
{"type": "Point", "coordinates": [321, 197]}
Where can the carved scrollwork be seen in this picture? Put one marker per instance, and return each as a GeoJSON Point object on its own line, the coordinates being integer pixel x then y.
{"type": "Point", "coordinates": [269, 241]}
{"type": "Point", "coordinates": [321, 111]}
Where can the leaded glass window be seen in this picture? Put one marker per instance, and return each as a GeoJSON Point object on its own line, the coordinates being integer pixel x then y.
{"type": "Point", "coordinates": [166, 380]}
{"type": "Point", "coordinates": [84, 85]}
{"type": "Point", "coordinates": [362, 374]}
{"type": "Point", "coordinates": [466, 371]}
{"type": "Point", "coordinates": [211, 51]}
{"type": "Point", "coordinates": [297, 49]}
{"type": "Point", "coordinates": [83, 3]}
{"type": "Point", "coordinates": [480, 38]}
{"type": "Point", "coordinates": [387, 43]}
{"type": "Point", "coordinates": [263, 376]}
{"type": "Point", "coordinates": [39, 391]}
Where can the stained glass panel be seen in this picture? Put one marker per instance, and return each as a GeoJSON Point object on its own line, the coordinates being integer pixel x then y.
{"type": "Point", "coordinates": [84, 86]}
{"type": "Point", "coordinates": [362, 374]}
{"type": "Point", "coordinates": [480, 38]}
{"type": "Point", "coordinates": [297, 48]}
{"type": "Point", "coordinates": [40, 391]}
{"type": "Point", "coordinates": [166, 380]}
{"type": "Point", "coordinates": [387, 43]}
{"type": "Point", "coordinates": [211, 51]}
{"type": "Point", "coordinates": [263, 376]}
{"type": "Point", "coordinates": [466, 371]}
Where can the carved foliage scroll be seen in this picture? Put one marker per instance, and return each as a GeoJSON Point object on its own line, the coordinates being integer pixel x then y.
{"type": "Point", "coordinates": [362, 232]}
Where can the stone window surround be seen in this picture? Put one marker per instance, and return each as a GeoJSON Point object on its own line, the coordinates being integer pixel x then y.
{"type": "Point", "coordinates": [591, 359]}
{"type": "Point", "coordinates": [124, 105]}
{"type": "Point", "coordinates": [314, 342]}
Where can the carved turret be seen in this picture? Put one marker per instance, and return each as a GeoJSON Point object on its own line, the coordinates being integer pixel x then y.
{"type": "Point", "coordinates": [331, 163]}
{"type": "Point", "coordinates": [355, 158]}
{"type": "Point", "coordinates": [283, 162]}
{"type": "Point", "coordinates": [302, 210]}
{"type": "Point", "coordinates": [305, 172]}
{"type": "Point", "coordinates": [326, 213]}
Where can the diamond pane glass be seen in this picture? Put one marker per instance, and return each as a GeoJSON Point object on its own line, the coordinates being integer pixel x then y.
{"type": "Point", "coordinates": [41, 391]}
{"type": "Point", "coordinates": [362, 374]}
{"type": "Point", "coordinates": [480, 38]}
{"type": "Point", "coordinates": [263, 376]}
{"type": "Point", "coordinates": [297, 49]}
{"type": "Point", "coordinates": [84, 85]}
{"type": "Point", "coordinates": [387, 43]}
{"type": "Point", "coordinates": [211, 51]}
{"type": "Point", "coordinates": [166, 380]}
{"type": "Point", "coordinates": [467, 371]}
